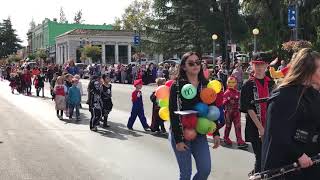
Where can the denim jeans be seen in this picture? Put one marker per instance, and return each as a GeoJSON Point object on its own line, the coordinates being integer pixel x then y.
{"type": "Point", "coordinates": [199, 149]}
{"type": "Point", "coordinates": [72, 107]}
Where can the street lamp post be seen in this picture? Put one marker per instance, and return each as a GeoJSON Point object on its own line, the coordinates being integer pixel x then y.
{"type": "Point", "coordinates": [255, 32]}
{"type": "Point", "coordinates": [214, 38]}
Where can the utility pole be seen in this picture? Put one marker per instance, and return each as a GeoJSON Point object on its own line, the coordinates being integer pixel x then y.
{"type": "Point", "coordinates": [227, 29]}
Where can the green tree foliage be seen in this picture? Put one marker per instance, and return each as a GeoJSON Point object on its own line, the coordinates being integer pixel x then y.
{"type": "Point", "coordinates": [188, 25]}
{"type": "Point", "coordinates": [93, 52]}
{"type": "Point", "coordinates": [13, 58]}
{"type": "Point", "coordinates": [78, 17]}
{"type": "Point", "coordinates": [63, 18]}
{"type": "Point", "coordinates": [41, 54]}
{"type": "Point", "coordinates": [9, 41]}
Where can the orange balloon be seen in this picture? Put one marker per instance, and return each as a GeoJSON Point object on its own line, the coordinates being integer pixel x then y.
{"type": "Point", "coordinates": [208, 95]}
{"type": "Point", "coordinates": [162, 92]}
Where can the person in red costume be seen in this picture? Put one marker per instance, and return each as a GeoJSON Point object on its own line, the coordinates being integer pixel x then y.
{"type": "Point", "coordinates": [231, 99]}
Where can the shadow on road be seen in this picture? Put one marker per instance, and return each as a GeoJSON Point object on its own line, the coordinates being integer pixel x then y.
{"type": "Point", "coordinates": [233, 146]}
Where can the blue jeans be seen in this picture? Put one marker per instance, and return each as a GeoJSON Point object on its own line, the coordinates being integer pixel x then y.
{"type": "Point", "coordinates": [199, 149]}
{"type": "Point", "coordinates": [72, 107]}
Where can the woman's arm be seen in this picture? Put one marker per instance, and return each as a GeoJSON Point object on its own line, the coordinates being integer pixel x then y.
{"type": "Point", "coordinates": [174, 118]}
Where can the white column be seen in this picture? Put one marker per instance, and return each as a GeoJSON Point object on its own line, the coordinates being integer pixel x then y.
{"type": "Point", "coordinates": [57, 54]}
{"type": "Point", "coordinates": [116, 54]}
{"type": "Point", "coordinates": [104, 54]}
{"type": "Point", "coordinates": [129, 53]}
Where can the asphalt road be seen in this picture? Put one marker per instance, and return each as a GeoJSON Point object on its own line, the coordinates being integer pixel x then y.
{"type": "Point", "coordinates": [36, 145]}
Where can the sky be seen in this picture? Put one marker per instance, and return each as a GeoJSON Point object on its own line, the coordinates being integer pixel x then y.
{"type": "Point", "coordinates": [22, 12]}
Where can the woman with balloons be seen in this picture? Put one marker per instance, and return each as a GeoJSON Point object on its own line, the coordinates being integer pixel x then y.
{"type": "Point", "coordinates": [192, 117]}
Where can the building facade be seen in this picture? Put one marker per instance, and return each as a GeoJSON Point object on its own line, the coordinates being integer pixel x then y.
{"type": "Point", "coordinates": [116, 46]}
{"type": "Point", "coordinates": [43, 36]}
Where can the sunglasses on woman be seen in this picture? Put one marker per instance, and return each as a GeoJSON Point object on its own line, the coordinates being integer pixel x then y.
{"type": "Point", "coordinates": [197, 62]}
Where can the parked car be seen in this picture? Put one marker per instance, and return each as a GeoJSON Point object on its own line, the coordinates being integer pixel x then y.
{"type": "Point", "coordinates": [171, 61]}
{"type": "Point", "coordinates": [82, 67]}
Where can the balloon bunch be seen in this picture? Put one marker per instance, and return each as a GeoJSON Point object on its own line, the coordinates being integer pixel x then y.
{"type": "Point", "coordinates": [208, 115]}
{"type": "Point", "coordinates": [162, 94]}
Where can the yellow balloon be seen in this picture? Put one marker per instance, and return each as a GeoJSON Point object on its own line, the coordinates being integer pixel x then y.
{"type": "Point", "coordinates": [215, 85]}
{"type": "Point", "coordinates": [164, 113]}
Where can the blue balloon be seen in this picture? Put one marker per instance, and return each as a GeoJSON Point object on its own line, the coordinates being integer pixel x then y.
{"type": "Point", "coordinates": [202, 109]}
{"type": "Point", "coordinates": [214, 113]}
{"type": "Point", "coordinates": [221, 118]}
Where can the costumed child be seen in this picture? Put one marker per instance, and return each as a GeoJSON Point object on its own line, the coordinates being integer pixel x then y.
{"type": "Point", "coordinates": [68, 84]}
{"type": "Point", "coordinates": [39, 83]}
{"type": "Point", "coordinates": [106, 95]}
{"type": "Point", "coordinates": [95, 103]}
{"type": "Point", "coordinates": [157, 122]}
{"type": "Point", "coordinates": [60, 92]}
{"type": "Point", "coordinates": [231, 99]}
{"type": "Point", "coordinates": [52, 84]}
{"type": "Point", "coordinates": [13, 83]}
{"type": "Point", "coordinates": [79, 85]}
{"type": "Point", "coordinates": [27, 78]}
{"type": "Point", "coordinates": [74, 98]}
{"type": "Point", "coordinates": [258, 86]}
{"type": "Point", "coordinates": [137, 107]}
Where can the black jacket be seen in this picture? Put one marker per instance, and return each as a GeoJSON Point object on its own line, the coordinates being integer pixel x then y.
{"type": "Point", "coordinates": [294, 108]}
{"type": "Point", "coordinates": [185, 104]}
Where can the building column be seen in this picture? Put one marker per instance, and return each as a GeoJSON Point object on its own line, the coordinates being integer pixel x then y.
{"type": "Point", "coordinates": [103, 54]}
{"type": "Point", "coordinates": [116, 54]}
{"type": "Point", "coordinates": [129, 53]}
{"type": "Point", "coordinates": [57, 54]}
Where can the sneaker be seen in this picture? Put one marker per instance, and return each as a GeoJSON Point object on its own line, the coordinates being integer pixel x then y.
{"type": "Point", "coordinates": [227, 141]}
{"type": "Point", "coordinates": [147, 129]}
{"type": "Point", "coordinates": [95, 129]}
{"type": "Point", "coordinates": [242, 145]}
{"type": "Point", "coordinates": [130, 128]}
{"type": "Point", "coordinates": [60, 117]}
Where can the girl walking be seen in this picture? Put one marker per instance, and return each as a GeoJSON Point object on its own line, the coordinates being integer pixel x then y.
{"type": "Point", "coordinates": [60, 96]}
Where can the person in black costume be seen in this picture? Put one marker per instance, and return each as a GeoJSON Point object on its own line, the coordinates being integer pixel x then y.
{"type": "Point", "coordinates": [293, 125]}
{"type": "Point", "coordinates": [106, 95]}
{"type": "Point", "coordinates": [257, 86]}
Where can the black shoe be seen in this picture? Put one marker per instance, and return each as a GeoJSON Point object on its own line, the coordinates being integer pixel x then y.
{"type": "Point", "coordinates": [105, 125]}
{"type": "Point", "coordinates": [147, 129]}
{"type": "Point", "coordinates": [243, 146]}
{"type": "Point", "coordinates": [130, 128]}
{"type": "Point", "coordinates": [95, 129]}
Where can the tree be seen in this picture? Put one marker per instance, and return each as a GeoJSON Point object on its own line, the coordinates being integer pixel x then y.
{"type": "Point", "coordinates": [136, 16]}
{"type": "Point", "coordinates": [117, 24]}
{"type": "Point", "coordinates": [31, 57]}
{"type": "Point", "coordinates": [63, 18]}
{"type": "Point", "coordinates": [41, 54]}
{"type": "Point", "coordinates": [78, 17]}
{"type": "Point", "coordinates": [93, 52]}
{"type": "Point", "coordinates": [13, 58]}
{"type": "Point", "coordinates": [32, 24]}
{"type": "Point", "coordinates": [9, 41]}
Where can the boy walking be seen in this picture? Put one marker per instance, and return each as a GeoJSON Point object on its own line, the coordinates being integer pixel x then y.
{"type": "Point", "coordinates": [74, 99]}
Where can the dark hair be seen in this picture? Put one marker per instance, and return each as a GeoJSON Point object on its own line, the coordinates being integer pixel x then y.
{"type": "Point", "coordinates": [182, 74]}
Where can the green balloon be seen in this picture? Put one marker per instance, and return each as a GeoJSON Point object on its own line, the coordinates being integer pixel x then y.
{"type": "Point", "coordinates": [212, 127]}
{"type": "Point", "coordinates": [203, 126]}
{"type": "Point", "coordinates": [163, 103]}
{"type": "Point", "coordinates": [188, 91]}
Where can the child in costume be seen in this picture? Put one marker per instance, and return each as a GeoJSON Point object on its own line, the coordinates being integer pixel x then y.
{"type": "Point", "coordinates": [60, 92]}
{"type": "Point", "coordinates": [106, 95]}
{"type": "Point", "coordinates": [28, 82]}
{"type": "Point", "coordinates": [137, 107]}
{"type": "Point", "coordinates": [74, 98]}
{"type": "Point", "coordinates": [13, 83]}
{"type": "Point", "coordinates": [95, 103]}
{"type": "Point", "coordinates": [231, 99]}
{"type": "Point", "coordinates": [156, 120]}
{"type": "Point", "coordinates": [258, 86]}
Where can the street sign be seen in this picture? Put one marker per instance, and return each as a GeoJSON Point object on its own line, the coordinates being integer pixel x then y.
{"type": "Point", "coordinates": [136, 40]}
{"type": "Point", "coordinates": [292, 16]}
{"type": "Point", "coordinates": [233, 48]}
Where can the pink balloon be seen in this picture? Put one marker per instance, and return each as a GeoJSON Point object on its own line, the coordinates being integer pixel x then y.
{"type": "Point", "coordinates": [169, 83]}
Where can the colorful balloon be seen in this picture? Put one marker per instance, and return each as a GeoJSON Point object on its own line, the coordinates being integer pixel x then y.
{"type": "Point", "coordinates": [215, 85]}
{"type": "Point", "coordinates": [162, 92]}
{"type": "Point", "coordinates": [189, 121]}
{"type": "Point", "coordinates": [188, 91]}
{"type": "Point", "coordinates": [208, 95]}
{"type": "Point", "coordinates": [202, 109]}
{"type": "Point", "coordinates": [164, 113]}
{"type": "Point", "coordinates": [203, 126]}
{"type": "Point", "coordinates": [169, 83]}
{"type": "Point", "coordinates": [212, 127]}
{"type": "Point", "coordinates": [163, 102]}
{"type": "Point", "coordinates": [214, 113]}
{"type": "Point", "coordinates": [189, 134]}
